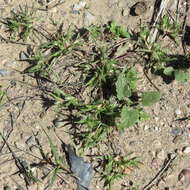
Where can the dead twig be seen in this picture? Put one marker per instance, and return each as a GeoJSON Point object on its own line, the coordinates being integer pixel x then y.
{"type": "Point", "coordinates": [160, 173]}
{"type": "Point", "coordinates": [146, 75]}
{"type": "Point", "coordinates": [184, 28]}
{"type": "Point", "coordinates": [21, 164]}
{"type": "Point", "coordinates": [8, 134]}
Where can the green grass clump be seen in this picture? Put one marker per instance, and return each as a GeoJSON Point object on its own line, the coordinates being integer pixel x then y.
{"type": "Point", "coordinates": [20, 24]}
{"type": "Point", "coordinates": [116, 167]}
{"type": "Point", "coordinates": [116, 103]}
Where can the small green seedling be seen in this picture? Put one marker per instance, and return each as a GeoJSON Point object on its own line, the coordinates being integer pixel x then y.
{"type": "Point", "coordinates": [118, 31]}
{"type": "Point", "coordinates": [100, 68]}
{"type": "Point", "coordinates": [23, 166]}
{"type": "Point", "coordinates": [20, 24]}
{"type": "Point", "coordinates": [98, 123]}
{"type": "Point", "coordinates": [49, 54]}
{"type": "Point", "coordinates": [56, 160]}
{"type": "Point", "coordinates": [116, 167]}
{"type": "Point", "coordinates": [170, 28]}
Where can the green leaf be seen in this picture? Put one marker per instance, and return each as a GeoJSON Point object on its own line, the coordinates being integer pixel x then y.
{"type": "Point", "coordinates": [168, 71]}
{"type": "Point", "coordinates": [126, 83]}
{"type": "Point", "coordinates": [129, 117]}
{"type": "Point", "coordinates": [182, 76]}
{"type": "Point", "coordinates": [122, 88]}
{"type": "Point", "coordinates": [119, 31]}
{"type": "Point", "coordinates": [150, 98]}
{"type": "Point", "coordinates": [144, 116]}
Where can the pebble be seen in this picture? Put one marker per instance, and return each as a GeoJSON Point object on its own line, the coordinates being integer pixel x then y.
{"type": "Point", "coordinates": [125, 12]}
{"type": "Point", "coordinates": [6, 188]}
{"type": "Point", "coordinates": [138, 8]}
{"type": "Point", "coordinates": [184, 175]}
{"type": "Point", "coordinates": [157, 129]}
{"type": "Point", "coordinates": [178, 112]}
{"type": "Point", "coordinates": [186, 150]}
{"type": "Point", "coordinates": [161, 154]}
{"type": "Point", "coordinates": [177, 131]}
{"type": "Point", "coordinates": [23, 56]}
{"type": "Point", "coordinates": [155, 163]}
{"type": "Point", "coordinates": [89, 18]}
{"type": "Point", "coordinates": [146, 127]}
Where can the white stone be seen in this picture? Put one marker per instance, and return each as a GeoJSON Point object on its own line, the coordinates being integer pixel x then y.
{"type": "Point", "coordinates": [146, 127]}
{"type": "Point", "coordinates": [178, 112]}
{"type": "Point", "coordinates": [186, 150]}
{"type": "Point", "coordinates": [125, 12]}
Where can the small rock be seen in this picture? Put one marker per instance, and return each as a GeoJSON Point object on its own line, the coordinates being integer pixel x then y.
{"type": "Point", "coordinates": [88, 18]}
{"type": "Point", "coordinates": [6, 188]}
{"type": "Point", "coordinates": [155, 163]}
{"type": "Point", "coordinates": [156, 128]}
{"type": "Point", "coordinates": [161, 155]}
{"type": "Point", "coordinates": [178, 112]}
{"type": "Point", "coordinates": [132, 143]}
{"type": "Point", "coordinates": [184, 175]}
{"type": "Point", "coordinates": [138, 8]}
{"type": "Point", "coordinates": [125, 12]}
{"type": "Point", "coordinates": [177, 131]}
{"type": "Point", "coordinates": [186, 150]}
{"type": "Point", "coordinates": [146, 127]}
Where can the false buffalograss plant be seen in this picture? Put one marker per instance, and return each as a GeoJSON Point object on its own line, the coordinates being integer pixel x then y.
{"type": "Point", "coordinates": [21, 23]}
{"type": "Point", "coordinates": [117, 104]}
{"type": "Point", "coordinates": [116, 167]}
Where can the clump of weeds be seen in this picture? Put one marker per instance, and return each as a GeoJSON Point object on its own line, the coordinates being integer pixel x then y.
{"type": "Point", "coordinates": [116, 167]}
{"type": "Point", "coordinates": [20, 24]}
{"type": "Point", "coordinates": [54, 161]}
{"type": "Point", "coordinates": [158, 58]}
{"type": "Point", "coordinates": [116, 105]}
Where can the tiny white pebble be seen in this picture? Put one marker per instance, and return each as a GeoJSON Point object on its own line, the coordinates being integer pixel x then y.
{"type": "Point", "coordinates": [146, 127]}
{"type": "Point", "coordinates": [157, 129]}
{"type": "Point", "coordinates": [186, 150]}
{"type": "Point", "coordinates": [178, 112]}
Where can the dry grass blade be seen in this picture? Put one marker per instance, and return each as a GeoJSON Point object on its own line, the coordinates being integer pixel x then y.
{"type": "Point", "coordinates": [154, 31]}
